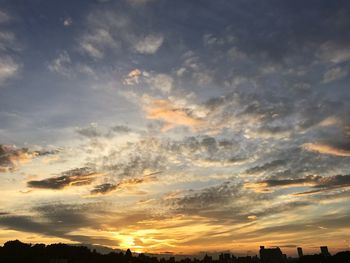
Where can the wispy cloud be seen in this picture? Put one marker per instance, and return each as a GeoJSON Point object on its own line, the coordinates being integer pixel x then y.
{"type": "Point", "coordinates": [124, 184]}
{"type": "Point", "coordinates": [171, 114]}
{"type": "Point", "coordinates": [4, 17]}
{"type": "Point", "coordinates": [8, 68]}
{"type": "Point", "coordinates": [11, 157]}
{"type": "Point", "coordinates": [62, 64]}
{"type": "Point", "coordinates": [324, 148]}
{"type": "Point", "coordinates": [315, 183]}
{"type": "Point", "coordinates": [334, 74]}
{"type": "Point", "coordinates": [149, 44]}
{"type": "Point", "coordinates": [95, 43]}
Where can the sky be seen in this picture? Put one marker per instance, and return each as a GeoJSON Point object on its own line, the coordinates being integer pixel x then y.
{"type": "Point", "coordinates": [176, 126]}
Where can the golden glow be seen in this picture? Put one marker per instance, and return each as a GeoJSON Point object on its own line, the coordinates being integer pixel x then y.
{"type": "Point", "coordinates": [172, 115]}
{"type": "Point", "coordinates": [326, 149]}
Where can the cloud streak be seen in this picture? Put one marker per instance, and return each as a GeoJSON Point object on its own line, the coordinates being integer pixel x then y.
{"type": "Point", "coordinates": [328, 149]}
{"type": "Point", "coordinates": [74, 177]}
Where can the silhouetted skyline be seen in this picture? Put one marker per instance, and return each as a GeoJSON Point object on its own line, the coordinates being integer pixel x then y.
{"type": "Point", "coordinates": [16, 251]}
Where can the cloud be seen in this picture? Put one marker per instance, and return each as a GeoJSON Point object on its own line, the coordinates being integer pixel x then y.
{"type": "Point", "coordinates": [124, 184]}
{"type": "Point", "coordinates": [324, 148]}
{"type": "Point", "coordinates": [235, 54]}
{"type": "Point", "coordinates": [266, 167]}
{"type": "Point", "coordinates": [8, 68]}
{"type": "Point", "coordinates": [60, 220]}
{"type": "Point", "coordinates": [329, 121]}
{"type": "Point", "coordinates": [334, 52]}
{"type": "Point", "coordinates": [316, 182]}
{"type": "Point", "coordinates": [133, 77]}
{"type": "Point", "coordinates": [139, 2]}
{"type": "Point", "coordinates": [104, 188]}
{"type": "Point", "coordinates": [162, 82]}
{"type": "Point", "coordinates": [210, 196]}
{"type": "Point", "coordinates": [62, 64]}
{"type": "Point", "coordinates": [7, 41]}
{"type": "Point", "coordinates": [334, 74]}
{"type": "Point", "coordinates": [95, 43]}
{"type": "Point", "coordinates": [4, 17]}
{"type": "Point", "coordinates": [232, 202]}
{"type": "Point", "coordinates": [116, 32]}
{"type": "Point", "coordinates": [121, 129]}
{"type": "Point", "coordinates": [266, 185]}
{"type": "Point", "coordinates": [67, 22]}
{"type": "Point", "coordinates": [149, 44]}
{"type": "Point", "coordinates": [329, 183]}
{"type": "Point", "coordinates": [171, 114]}
{"type": "Point", "coordinates": [89, 132]}
{"type": "Point", "coordinates": [75, 177]}
{"type": "Point", "coordinates": [11, 157]}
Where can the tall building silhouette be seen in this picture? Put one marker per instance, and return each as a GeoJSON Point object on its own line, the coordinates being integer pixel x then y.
{"type": "Point", "coordinates": [271, 255]}
{"type": "Point", "coordinates": [324, 251]}
{"type": "Point", "coordinates": [225, 258]}
{"type": "Point", "coordinates": [207, 259]}
{"type": "Point", "coordinates": [300, 252]}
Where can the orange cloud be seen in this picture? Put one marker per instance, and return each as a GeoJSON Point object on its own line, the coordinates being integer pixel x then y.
{"type": "Point", "coordinates": [11, 157]}
{"type": "Point", "coordinates": [133, 77]}
{"type": "Point", "coordinates": [124, 184]}
{"type": "Point", "coordinates": [134, 181]}
{"type": "Point", "coordinates": [259, 187]}
{"type": "Point", "coordinates": [330, 121]}
{"type": "Point", "coordinates": [326, 149]}
{"type": "Point", "coordinates": [172, 116]}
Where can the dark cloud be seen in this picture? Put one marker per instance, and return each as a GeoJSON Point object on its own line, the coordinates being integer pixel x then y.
{"type": "Point", "coordinates": [232, 202]}
{"type": "Point", "coordinates": [289, 182]}
{"type": "Point", "coordinates": [68, 216]}
{"type": "Point", "coordinates": [136, 159]}
{"type": "Point", "coordinates": [89, 132]}
{"type": "Point", "coordinates": [75, 177]}
{"type": "Point", "coordinates": [226, 202]}
{"type": "Point", "coordinates": [205, 198]}
{"type": "Point", "coordinates": [293, 162]}
{"type": "Point", "coordinates": [315, 182]}
{"type": "Point", "coordinates": [59, 220]}
{"type": "Point", "coordinates": [266, 167]}
{"type": "Point", "coordinates": [27, 224]}
{"type": "Point", "coordinates": [104, 188]}
{"type": "Point", "coordinates": [307, 227]}
{"type": "Point", "coordinates": [329, 183]}
{"type": "Point", "coordinates": [12, 157]}
{"type": "Point", "coordinates": [121, 129]}
{"type": "Point", "coordinates": [125, 183]}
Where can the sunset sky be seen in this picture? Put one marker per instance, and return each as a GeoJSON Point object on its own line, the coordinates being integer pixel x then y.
{"type": "Point", "coordinates": [176, 125]}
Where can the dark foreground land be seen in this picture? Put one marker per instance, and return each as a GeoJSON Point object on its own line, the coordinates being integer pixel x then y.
{"type": "Point", "coordinates": [16, 251]}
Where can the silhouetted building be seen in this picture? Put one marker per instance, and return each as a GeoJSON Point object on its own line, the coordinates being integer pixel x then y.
{"type": "Point", "coordinates": [300, 252]}
{"type": "Point", "coordinates": [324, 251]}
{"type": "Point", "coordinates": [247, 259]}
{"type": "Point", "coordinates": [58, 260]}
{"type": "Point", "coordinates": [271, 255]}
{"type": "Point", "coordinates": [207, 259]}
{"type": "Point", "coordinates": [225, 258]}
